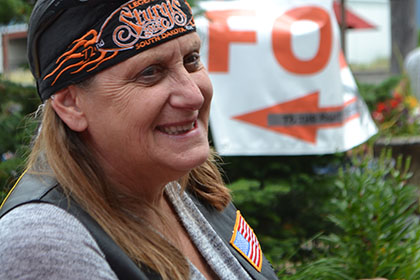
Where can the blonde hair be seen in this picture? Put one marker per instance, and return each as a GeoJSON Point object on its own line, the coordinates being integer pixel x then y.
{"type": "Point", "coordinates": [60, 151]}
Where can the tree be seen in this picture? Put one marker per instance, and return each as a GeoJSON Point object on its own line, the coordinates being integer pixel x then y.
{"type": "Point", "coordinates": [403, 31]}
{"type": "Point", "coordinates": [192, 3]}
{"type": "Point", "coordinates": [15, 11]}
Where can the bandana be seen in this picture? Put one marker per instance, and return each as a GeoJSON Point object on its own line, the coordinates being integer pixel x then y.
{"type": "Point", "coordinates": [72, 40]}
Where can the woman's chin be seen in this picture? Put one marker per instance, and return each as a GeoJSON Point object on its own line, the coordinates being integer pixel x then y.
{"type": "Point", "coordinates": [187, 163]}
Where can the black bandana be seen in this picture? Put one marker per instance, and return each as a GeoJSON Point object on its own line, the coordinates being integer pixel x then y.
{"type": "Point", "coordinates": [71, 40]}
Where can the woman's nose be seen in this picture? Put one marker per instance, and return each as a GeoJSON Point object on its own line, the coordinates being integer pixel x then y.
{"type": "Point", "coordinates": [185, 92]}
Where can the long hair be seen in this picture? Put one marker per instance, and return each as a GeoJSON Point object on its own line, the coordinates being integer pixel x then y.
{"type": "Point", "coordinates": [60, 151]}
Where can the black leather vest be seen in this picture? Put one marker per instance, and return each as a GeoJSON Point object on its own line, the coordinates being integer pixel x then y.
{"type": "Point", "coordinates": [42, 189]}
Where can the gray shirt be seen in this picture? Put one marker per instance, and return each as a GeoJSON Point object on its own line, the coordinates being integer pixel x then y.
{"type": "Point", "coordinates": [42, 241]}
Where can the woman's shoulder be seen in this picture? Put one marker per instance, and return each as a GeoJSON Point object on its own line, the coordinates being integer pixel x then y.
{"type": "Point", "coordinates": [43, 241]}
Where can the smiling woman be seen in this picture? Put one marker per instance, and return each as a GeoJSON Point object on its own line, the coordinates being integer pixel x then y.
{"type": "Point", "coordinates": [121, 182]}
{"type": "Point", "coordinates": [158, 103]}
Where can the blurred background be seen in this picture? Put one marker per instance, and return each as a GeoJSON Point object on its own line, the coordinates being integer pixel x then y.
{"type": "Point", "coordinates": [352, 214]}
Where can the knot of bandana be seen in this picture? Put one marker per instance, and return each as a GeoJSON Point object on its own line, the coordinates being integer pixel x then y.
{"type": "Point", "coordinates": [121, 33]}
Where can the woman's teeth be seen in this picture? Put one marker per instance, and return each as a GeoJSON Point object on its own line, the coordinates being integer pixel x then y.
{"type": "Point", "coordinates": [178, 129]}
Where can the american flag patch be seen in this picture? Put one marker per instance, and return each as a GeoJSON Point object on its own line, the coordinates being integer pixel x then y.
{"type": "Point", "coordinates": [245, 242]}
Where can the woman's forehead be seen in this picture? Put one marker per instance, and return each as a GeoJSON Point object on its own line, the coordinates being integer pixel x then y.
{"type": "Point", "coordinates": [180, 46]}
{"type": "Point", "coordinates": [185, 43]}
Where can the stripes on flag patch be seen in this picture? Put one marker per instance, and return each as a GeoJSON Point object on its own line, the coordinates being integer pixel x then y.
{"type": "Point", "coordinates": [245, 242]}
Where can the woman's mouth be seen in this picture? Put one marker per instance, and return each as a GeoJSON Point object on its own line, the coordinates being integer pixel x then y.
{"type": "Point", "coordinates": [177, 129]}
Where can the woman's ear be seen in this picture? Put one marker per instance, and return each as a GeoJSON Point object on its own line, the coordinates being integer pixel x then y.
{"type": "Point", "coordinates": [66, 103]}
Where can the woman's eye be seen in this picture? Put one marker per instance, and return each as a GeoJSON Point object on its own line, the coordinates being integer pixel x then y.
{"type": "Point", "coordinates": [192, 62]}
{"type": "Point", "coordinates": [151, 74]}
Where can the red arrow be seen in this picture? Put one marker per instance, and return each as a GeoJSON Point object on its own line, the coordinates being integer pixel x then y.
{"type": "Point", "coordinates": [302, 117]}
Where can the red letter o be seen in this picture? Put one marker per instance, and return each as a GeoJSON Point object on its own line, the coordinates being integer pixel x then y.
{"type": "Point", "coordinates": [282, 40]}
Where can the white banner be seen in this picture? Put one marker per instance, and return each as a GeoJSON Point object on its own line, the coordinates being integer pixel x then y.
{"type": "Point", "coordinates": [281, 86]}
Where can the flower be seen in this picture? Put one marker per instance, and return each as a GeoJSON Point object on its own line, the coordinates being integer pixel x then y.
{"type": "Point", "coordinates": [411, 102]}
{"type": "Point", "coordinates": [399, 114]}
{"type": "Point", "coordinates": [381, 107]}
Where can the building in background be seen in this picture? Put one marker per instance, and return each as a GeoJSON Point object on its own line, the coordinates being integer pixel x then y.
{"type": "Point", "coordinates": [13, 47]}
{"type": "Point", "coordinates": [368, 46]}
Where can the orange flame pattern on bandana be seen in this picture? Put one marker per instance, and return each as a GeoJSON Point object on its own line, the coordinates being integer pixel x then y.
{"type": "Point", "coordinates": [132, 27]}
{"type": "Point", "coordinates": [85, 52]}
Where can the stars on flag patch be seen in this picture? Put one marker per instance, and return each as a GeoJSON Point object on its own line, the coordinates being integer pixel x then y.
{"type": "Point", "coordinates": [245, 242]}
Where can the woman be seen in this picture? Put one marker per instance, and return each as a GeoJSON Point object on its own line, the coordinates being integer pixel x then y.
{"type": "Point", "coordinates": [121, 183]}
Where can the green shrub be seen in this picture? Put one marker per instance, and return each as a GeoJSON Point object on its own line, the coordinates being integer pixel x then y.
{"type": "Point", "coordinates": [284, 199]}
{"type": "Point", "coordinates": [378, 233]}
{"type": "Point", "coordinates": [322, 269]}
{"type": "Point", "coordinates": [16, 102]}
{"type": "Point", "coordinates": [374, 209]}
{"type": "Point", "coordinates": [372, 94]}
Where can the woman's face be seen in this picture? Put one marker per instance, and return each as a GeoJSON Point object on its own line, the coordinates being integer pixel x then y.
{"type": "Point", "coordinates": [148, 116]}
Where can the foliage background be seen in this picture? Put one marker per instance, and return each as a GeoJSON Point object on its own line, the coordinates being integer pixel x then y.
{"type": "Point", "coordinates": [16, 102]}
{"type": "Point", "coordinates": [15, 11]}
